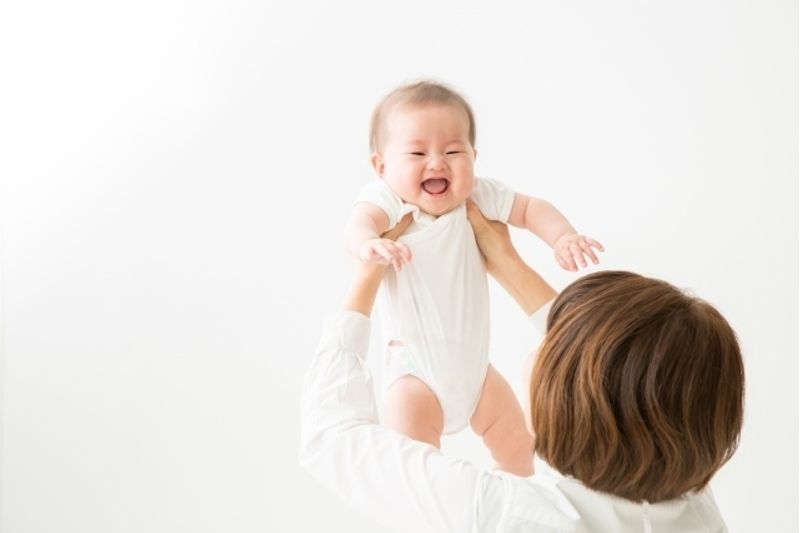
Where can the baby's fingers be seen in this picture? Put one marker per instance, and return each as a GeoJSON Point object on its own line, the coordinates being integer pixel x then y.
{"type": "Point", "coordinates": [577, 253]}
{"type": "Point", "coordinates": [566, 260]}
{"type": "Point", "coordinates": [398, 254]}
{"type": "Point", "coordinates": [588, 250]}
{"type": "Point", "coordinates": [369, 255]}
{"type": "Point", "coordinates": [383, 252]}
{"type": "Point", "coordinates": [596, 244]}
{"type": "Point", "coordinates": [405, 251]}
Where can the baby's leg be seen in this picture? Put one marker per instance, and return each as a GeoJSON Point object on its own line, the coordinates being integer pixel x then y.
{"type": "Point", "coordinates": [413, 410]}
{"type": "Point", "coordinates": [498, 418]}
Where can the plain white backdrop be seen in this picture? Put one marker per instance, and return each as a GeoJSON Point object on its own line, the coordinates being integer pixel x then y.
{"type": "Point", "coordinates": [176, 176]}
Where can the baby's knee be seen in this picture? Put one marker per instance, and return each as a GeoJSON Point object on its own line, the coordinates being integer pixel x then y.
{"type": "Point", "coordinates": [509, 436]}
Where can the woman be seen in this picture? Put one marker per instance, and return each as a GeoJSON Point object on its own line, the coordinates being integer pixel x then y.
{"type": "Point", "coordinates": [635, 401]}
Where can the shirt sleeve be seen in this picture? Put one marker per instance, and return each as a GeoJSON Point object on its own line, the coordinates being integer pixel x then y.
{"type": "Point", "coordinates": [378, 193]}
{"type": "Point", "coordinates": [494, 198]}
{"type": "Point", "coordinates": [539, 318]}
{"type": "Point", "coordinates": [396, 480]}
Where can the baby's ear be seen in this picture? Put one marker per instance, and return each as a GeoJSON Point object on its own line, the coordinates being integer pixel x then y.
{"type": "Point", "coordinates": [377, 163]}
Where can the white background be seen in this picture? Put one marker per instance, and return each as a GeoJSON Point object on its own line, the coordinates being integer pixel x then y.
{"type": "Point", "coordinates": [175, 180]}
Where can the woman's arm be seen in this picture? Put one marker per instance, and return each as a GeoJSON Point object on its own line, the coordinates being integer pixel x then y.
{"type": "Point", "coordinates": [396, 480]}
{"type": "Point", "coordinates": [505, 265]}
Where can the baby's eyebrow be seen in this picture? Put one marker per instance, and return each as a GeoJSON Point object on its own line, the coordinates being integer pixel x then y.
{"type": "Point", "coordinates": [421, 143]}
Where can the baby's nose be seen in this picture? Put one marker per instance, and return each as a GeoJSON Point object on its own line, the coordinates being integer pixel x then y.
{"type": "Point", "coordinates": [436, 162]}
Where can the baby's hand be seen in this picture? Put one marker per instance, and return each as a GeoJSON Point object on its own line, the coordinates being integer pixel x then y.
{"type": "Point", "coordinates": [385, 251]}
{"type": "Point", "coordinates": [570, 248]}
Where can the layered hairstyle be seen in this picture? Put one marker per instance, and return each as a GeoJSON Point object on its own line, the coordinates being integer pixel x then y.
{"type": "Point", "coordinates": [420, 93]}
{"type": "Point", "coordinates": [637, 389]}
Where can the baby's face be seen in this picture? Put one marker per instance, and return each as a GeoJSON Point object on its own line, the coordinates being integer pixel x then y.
{"type": "Point", "coordinates": [426, 157]}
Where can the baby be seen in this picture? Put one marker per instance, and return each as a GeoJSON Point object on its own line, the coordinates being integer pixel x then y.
{"type": "Point", "coordinates": [435, 306]}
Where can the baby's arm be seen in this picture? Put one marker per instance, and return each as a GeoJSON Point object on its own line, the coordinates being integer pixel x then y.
{"type": "Point", "coordinates": [545, 221]}
{"type": "Point", "coordinates": [362, 237]}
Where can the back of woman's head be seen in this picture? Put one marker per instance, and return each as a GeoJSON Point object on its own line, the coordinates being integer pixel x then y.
{"type": "Point", "coordinates": [637, 389]}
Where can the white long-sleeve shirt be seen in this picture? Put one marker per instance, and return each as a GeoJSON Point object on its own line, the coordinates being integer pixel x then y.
{"type": "Point", "coordinates": [414, 488]}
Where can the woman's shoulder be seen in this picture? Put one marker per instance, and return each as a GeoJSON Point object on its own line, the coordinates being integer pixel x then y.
{"type": "Point", "coordinates": [535, 503]}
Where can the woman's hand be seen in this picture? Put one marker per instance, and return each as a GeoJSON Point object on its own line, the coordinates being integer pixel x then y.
{"type": "Point", "coordinates": [505, 265]}
{"type": "Point", "coordinates": [493, 240]}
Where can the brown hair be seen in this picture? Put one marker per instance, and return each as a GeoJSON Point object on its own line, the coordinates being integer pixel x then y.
{"type": "Point", "coordinates": [638, 388]}
{"type": "Point", "coordinates": [420, 93]}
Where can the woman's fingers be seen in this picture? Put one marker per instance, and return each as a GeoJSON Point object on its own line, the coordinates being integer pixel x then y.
{"type": "Point", "coordinates": [492, 237]}
{"type": "Point", "coordinates": [398, 230]}
{"type": "Point", "coordinates": [474, 214]}
{"type": "Point", "coordinates": [400, 253]}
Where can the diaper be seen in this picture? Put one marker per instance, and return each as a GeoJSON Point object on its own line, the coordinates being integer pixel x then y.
{"type": "Point", "coordinates": [458, 395]}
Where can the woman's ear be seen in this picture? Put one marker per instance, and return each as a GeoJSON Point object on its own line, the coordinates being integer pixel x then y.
{"type": "Point", "coordinates": [377, 163]}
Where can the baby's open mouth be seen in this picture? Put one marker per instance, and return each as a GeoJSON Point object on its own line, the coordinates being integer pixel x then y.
{"type": "Point", "coordinates": [435, 185]}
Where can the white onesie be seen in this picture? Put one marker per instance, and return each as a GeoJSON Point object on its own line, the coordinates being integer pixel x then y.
{"type": "Point", "coordinates": [435, 311]}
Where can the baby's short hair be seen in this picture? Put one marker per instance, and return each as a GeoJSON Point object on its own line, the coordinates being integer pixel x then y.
{"type": "Point", "coordinates": [420, 93]}
{"type": "Point", "coordinates": [638, 388]}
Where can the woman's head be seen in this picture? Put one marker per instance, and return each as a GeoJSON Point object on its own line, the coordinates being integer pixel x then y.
{"type": "Point", "coordinates": [637, 389]}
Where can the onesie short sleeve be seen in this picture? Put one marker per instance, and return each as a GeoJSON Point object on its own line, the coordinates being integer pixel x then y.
{"type": "Point", "coordinates": [494, 198]}
{"type": "Point", "coordinates": [379, 194]}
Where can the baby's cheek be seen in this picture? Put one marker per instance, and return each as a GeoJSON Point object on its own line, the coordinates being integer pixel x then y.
{"type": "Point", "coordinates": [465, 187]}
